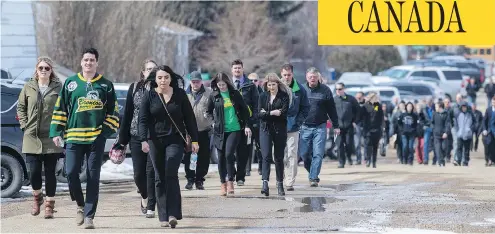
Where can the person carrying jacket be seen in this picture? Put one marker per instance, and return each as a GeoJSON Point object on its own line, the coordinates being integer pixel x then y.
{"type": "Point", "coordinates": [464, 129]}
{"type": "Point", "coordinates": [441, 128]}
{"type": "Point", "coordinates": [272, 112]}
{"type": "Point", "coordinates": [408, 123]}
{"type": "Point", "coordinates": [35, 110]}
{"type": "Point", "coordinates": [231, 120]}
{"type": "Point", "coordinates": [348, 111]}
{"type": "Point", "coordinates": [85, 115]}
{"type": "Point", "coordinates": [298, 111]}
{"type": "Point", "coordinates": [144, 174]}
{"type": "Point", "coordinates": [250, 95]}
{"type": "Point", "coordinates": [199, 96]}
{"type": "Point", "coordinates": [373, 117]}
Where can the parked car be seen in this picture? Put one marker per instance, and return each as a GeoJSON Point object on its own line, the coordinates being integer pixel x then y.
{"type": "Point", "coordinates": [419, 90]}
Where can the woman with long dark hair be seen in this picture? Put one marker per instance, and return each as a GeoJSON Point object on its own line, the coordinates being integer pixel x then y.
{"type": "Point", "coordinates": [144, 175]}
{"type": "Point", "coordinates": [408, 123]}
{"type": "Point", "coordinates": [166, 119]}
{"type": "Point", "coordinates": [372, 127]}
{"type": "Point", "coordinates": [230, 114]}
{"type": "Point", "coordinates": [35, 110]}
{"type": "Point", "coordinates": [273, 105]}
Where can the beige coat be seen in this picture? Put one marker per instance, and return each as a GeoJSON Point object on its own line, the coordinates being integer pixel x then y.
{"type": "Point", "coordinates": [199, 109]}
{"type": "Point", "coordinates": [35, 115]}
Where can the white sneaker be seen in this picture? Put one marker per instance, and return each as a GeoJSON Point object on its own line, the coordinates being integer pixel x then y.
{"type": "Point", "coordinates": [150, 214]}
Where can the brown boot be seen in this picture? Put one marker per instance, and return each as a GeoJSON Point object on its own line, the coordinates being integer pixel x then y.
{"type": "Point", "coordinates": [37, 202]}
{"type": "Point", "coordinates": [230, 188]}
{"type": "Point", "coordinates": [223, 189]}
{"type": "Point", "coordinates": [49, 206]}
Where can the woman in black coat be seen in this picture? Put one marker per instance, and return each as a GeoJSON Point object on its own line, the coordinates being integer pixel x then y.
{"type": "Point", "coordinates": [230, 114]}
{"type": "Point", "coordinates": [273, 105]}
{"type": "Point", "coordinates": [372, 127]}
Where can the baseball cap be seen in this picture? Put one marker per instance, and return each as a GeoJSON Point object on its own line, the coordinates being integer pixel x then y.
{"type": "Point", "coordinates": [195, 75]}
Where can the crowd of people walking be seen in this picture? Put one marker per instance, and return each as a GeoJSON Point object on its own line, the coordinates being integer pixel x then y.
{"type": "Point", "coordinates": [278, 118]}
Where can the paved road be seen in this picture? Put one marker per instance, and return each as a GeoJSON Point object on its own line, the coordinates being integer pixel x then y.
{"type": "Point", "coordinates": [392, 198]}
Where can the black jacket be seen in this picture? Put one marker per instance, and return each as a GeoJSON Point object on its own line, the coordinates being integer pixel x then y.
{"type": "Point", "coordinates": [321, 105]}
{"type": "Point", "coordinates": [472, 89]}
{"type": "Point", "coordinates": [347, 110]}
{"type": "Point", "coordinates": [154, 122]}
{"type": "Point", "coordinates": [490, 90]}
{"type": "Point", "coordinates": [272, 122]}
{"type": "Point", "coordinates": [216, 110]}
{"type": "Point", "coordinates": [250, 95]}
{"type": "Point", "coordinates": [422, 121]}
{"type": "Point", "coordinates": [478, 120]}
{"type": "Point", "coordinates": [441, 124]}
{"type": "Point", "coordinates": [373, 118]}
{"type": "Point", "coordinates": [408, 123]}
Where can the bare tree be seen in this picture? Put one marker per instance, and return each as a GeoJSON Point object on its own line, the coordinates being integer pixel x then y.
{"type": "Point", "coordinates": [364, 58]}
{"type": "Point", "coordinates": [243, 31]}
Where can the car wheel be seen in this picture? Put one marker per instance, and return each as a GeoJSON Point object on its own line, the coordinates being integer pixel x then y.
{"type": "Point", "coordinates": [12, 175]}
{"type": "Point", "coordinates": [61, 173]}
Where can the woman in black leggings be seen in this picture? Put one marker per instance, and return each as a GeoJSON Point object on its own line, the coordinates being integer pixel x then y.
{"type": "Point", "coordinates": [373, 124]}
{"type": "Point", "coordinates": [144, 175]}
{"type": "Point", "coordinates": [273, 105]}
{"type": "Point", "coordinates": [165, 119]}
{"type": "Point", "coordinates": [230, 114]}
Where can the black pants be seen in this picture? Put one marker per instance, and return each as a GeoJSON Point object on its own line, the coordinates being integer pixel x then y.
{"type": "Point", "coordinates": [476, 138]}
{"type": "Point", "coordinates": [226, 158]}
{"type": "Point", "coordinates": [278, 140]}
{"type": "Point", "coordinates": [166, 154]}
{"type": "Point", "coordinates": [144, 174]}
{"type": "Point", "coordinates": [75, 154]}
{"type": "Point", "coordinates": [440, 145]}
{"type": "Point", "coordinates": [242, 154]}
{"type": "Point", "coordinates": [203, 162]}
{"type": "Point", "coordinates": [450, 146]}
{"type": "Point", "coordinates": [371, 141]}
{"type": "Point", "coordinates": [490, 150]}
{"type": "Point", "coordinates": [346, 145]}
{"type": "Point", "coordinates": [36, 163]}
{"type": "Point", "coordinates": [255, 153]}
{"type": "Point", "coordinates": [463, 148]}
{"type": "Point", "coordinates": [398, 145]}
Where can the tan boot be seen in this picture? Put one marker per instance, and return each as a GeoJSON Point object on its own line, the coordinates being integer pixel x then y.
{"type": "Point", "coordinates": [230, 188]}
{"type": "Point", "coordinates": [37, 202]}
{"type": "Point", "coordinates": [223, 189]}
{"type": "Point", "coordinates": [49, 206]}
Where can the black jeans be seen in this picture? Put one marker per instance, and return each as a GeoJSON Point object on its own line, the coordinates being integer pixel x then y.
{"type": "Point", "coordinates": [255, 150]}
{"type": "Point", "coordinates": [371, 141]}
{"type": "Point", "coordinates": [203, 162]}
{"type": "Point", "coordinates": [346, 146]}
{"type": "Point", "coordinates": [36, 163]}
{"type": "Point", "coordinates": [74, 155]}
{"type": "Point", "coordinates": [489, 149]}
{"type": "Point", "coordinates": [226, 158]}
{"type": "Point", "coordinates": [278, 140]}
{"type": "Point", "coordinates": [476, 139]}
{"type": "Point", "coordinates": [166, 154]}
{"type": "Point", "coordinates": [441, 145]}
{"type": "Point", "coordinates": [243, 152]}
{"type": "Point", "coordinates": [463, 148]}
{"type": "Point", "coordinates": [144, 174]}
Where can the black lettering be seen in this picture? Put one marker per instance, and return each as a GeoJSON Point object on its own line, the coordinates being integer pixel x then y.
{"type": "Point", "coordinates": [377, 18]}
{"type": "Point", "coordinates": [458, 17]}
{"type": "Point", "coordinates": [349, 17]}
{"type": "Point", "coordinates": [442, 16]}
{"type": "Point", "coordinates": [420, 26]}
{"type": "Point", "coordinates": [391, 10]}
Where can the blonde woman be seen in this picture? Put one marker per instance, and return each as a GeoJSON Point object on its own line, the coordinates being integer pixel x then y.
{"type": "Point", "coordinates": [35, 108]}
{"type": "Point", "coordinates": [373, 122]}
{"type": "Point", "coordinates": [273, 105]}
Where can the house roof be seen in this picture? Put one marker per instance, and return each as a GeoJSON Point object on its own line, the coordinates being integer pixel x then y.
{"type": "Point", "coordinates": [178, 29]}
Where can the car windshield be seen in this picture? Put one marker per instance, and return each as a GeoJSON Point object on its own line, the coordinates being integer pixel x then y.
{"type": "Point", "coordinates": [453, 75]}
{"type": "Point", "coordinates": [395, 73]}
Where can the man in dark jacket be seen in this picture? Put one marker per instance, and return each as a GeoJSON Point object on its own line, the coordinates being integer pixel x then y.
{"type": "Point", "coordinates": [313, 131]}
{"type": "Point", "coordinates": [348, 113]}
{"type": "Point", "coordinates": [490, 90]}
{"type": "Point", "coordinates": [489, 133]}
{"type": "Point", "coordinates": [478, 119]}
{"type": "Point", "coordinates": [250, 94]}
{"type": "Point", "coordinates": [440, 124]}
{"type": "Point", "coordinates": [427, 137]}
{"type": "Point", "coordinates": [298, 111]}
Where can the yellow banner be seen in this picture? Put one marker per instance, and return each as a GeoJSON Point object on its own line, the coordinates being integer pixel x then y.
{"type": "Point", "coordinates": [406, 22]}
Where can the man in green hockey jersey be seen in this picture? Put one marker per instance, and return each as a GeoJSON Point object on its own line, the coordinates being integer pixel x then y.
{"type": "Point", "coordinates": [85, 115]}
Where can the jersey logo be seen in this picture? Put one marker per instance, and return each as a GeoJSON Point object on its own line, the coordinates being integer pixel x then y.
{"type": "Point", "coordinates": [72, 86]}
{"type": "Point", "coordinates": [86, 104]}
{"type": "Point", "coordinates": [93, 95]}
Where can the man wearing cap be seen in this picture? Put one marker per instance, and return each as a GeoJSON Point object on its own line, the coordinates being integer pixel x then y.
{"type": "Point", "coordinates": [198, 95]}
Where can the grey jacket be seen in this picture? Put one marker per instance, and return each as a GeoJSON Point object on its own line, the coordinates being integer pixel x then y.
{"type": "Point", "coordinates": [465, 125]}
{"type": "Point", "coordinates": [200, 104]}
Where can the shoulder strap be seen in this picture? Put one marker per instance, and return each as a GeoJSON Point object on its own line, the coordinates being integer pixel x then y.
{"type": "Point", "coordinates": [166, 110]}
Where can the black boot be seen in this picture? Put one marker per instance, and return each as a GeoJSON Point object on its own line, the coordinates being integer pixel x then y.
{"type": "Point", "coordinates": [189, 185]}
{"type": "Point", "coordinates": [368, 163]}
{"type": "Point", "coordinates": [265, 189]}
{"type": "Point", "coordinates": [280, 187]}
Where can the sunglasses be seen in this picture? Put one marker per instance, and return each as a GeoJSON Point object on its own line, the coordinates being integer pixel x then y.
{"type": "Point", "coordinates": [40, 68]}
{"type": "Point", "coordinates": [255, 80]}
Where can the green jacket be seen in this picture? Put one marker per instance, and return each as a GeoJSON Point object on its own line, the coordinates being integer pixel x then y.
{"type": "Point", "coordinates": [35, 114]}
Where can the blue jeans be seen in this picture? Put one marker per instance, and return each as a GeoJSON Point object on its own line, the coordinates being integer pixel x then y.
{"type": "Point", "coordinates": [312, 148]}
{"type": "Point", "coordinates": [428, 146]}
{"type": "Point", "coordinates": [408, 149]}
{"type": "Point", "coordinates": [358, 143]}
